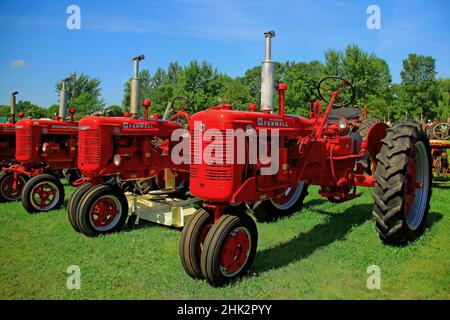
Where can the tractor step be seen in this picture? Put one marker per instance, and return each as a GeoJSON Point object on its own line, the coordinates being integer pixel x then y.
{"type": "Point", "coordinates": [161, 209]}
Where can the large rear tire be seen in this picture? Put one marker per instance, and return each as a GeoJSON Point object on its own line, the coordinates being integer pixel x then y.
{"type": "Point", "coordinates": [229, 248]}
{"type": "Point", "coordinates": [192, 241]}
{"type": "Point", "coordinates": [402, 190]}
{"type": "Point", "coordinates": [74, 202]}
{"type": "Point", "coordinates": [286, 204]}
{"type": "Point", "coordinates": [102, 210]}
{"type": "Point", "coordinates": [43, 193]}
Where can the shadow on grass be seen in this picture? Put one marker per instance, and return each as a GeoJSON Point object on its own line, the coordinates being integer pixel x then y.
{"type": "Point", "coordinates": [335, 228]}
{"type": "Point", "coordinates": [432, 218]}
{"type": "Point", "coordinates": [312, 203]}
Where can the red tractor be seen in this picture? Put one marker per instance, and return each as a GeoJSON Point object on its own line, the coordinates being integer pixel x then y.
{"type": "Point", "coordinates": [331, 149]}
{"type": "Point", "coordinates": [116, 150]}
{"type": "Point", "coordinates": [8, 150]}
{"type": "Point", "coordinates": [44, 148]}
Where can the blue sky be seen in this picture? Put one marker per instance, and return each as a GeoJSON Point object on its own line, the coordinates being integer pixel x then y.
{"type": "Point", "coordinates": [38, 50]}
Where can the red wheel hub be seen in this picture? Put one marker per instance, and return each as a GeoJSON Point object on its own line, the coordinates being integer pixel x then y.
{"type": "Point", "coordinates": [235, 251]}
{"type": "Point", "coordinates": [411, 186]}
{"type": "Point", "coordinates": [43, 195]}
{"type": "Point", "coordinates": [8, 190]}
{"type": "Point", "coordinates": [103, 212]}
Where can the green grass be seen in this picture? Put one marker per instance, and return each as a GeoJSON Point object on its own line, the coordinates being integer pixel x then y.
{"type": "Point", "coordinates": [321, 252]}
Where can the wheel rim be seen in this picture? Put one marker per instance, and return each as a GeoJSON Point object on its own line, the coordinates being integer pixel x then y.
{"type": "Point", "coordinates": [235, 252]}
{"type": "Point", "coordinates": [44, 195]}
{"type": "Point", "coordinates": [105, 213]}
{"type": "Point", "coordinates": [289, 197]}
{"type": "Point", "coordinates": [7, 187]}
{"type": "Point", "coordinates": [417, 186]}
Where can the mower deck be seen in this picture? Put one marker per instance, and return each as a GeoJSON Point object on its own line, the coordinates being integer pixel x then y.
{"type": "Point", "coordinates": [161, 209]}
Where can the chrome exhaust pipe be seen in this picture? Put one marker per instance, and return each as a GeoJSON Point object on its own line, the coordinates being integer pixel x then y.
{"type": "Point", "coordinates": [135, 88]}
{"type": "Point", "coordinates": [267, 75]}
{"type": "Point", "coordinates": [13, 106]}
{"type": "Point", "coordinates": [63, 100]}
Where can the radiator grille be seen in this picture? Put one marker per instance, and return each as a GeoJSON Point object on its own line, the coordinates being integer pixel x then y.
{"type": "Point", "coordinates": [89, 146]}
{"type": "Point", "coordinates": [23, 143]}
{"type": "Point", "coordinates": [214, 171]}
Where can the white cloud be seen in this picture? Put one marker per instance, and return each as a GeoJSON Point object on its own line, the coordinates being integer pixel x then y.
{"type": "Point", "coordinates": [18, 64]}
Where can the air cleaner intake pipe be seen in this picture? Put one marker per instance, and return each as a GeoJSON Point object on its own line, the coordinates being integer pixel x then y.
{"type": "Point", "coordinates": [267, 74]}
{"type": "Point", "coordinates": [63, 100]}
{"type": "Point", "coordinates": [135, 88]}
{"type": "Point", "coordinates": [13, 106]}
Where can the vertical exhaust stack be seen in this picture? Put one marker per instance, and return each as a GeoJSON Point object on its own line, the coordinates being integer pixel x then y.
{"type": "Point", "coordinates": [63, 100]}
{"type": "Point", "coordinates": [135, 88]}
{"type": "Point", "coordinates": [267, 76]}
{"type": "Point", "coordinates": [13, 106]}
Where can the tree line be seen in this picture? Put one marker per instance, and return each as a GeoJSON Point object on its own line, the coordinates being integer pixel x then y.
{"type": "Point", "coordinates": [420, 94]}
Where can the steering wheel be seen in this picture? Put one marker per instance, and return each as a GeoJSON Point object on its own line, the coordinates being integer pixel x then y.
{"type": "Point", "coordinates": [181, 116]}
{"type": "Point", "coordinates": [338, 84]}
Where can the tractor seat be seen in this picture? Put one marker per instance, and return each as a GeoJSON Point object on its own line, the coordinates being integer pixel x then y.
{"type": "Point", "coordinates": [349, 113]}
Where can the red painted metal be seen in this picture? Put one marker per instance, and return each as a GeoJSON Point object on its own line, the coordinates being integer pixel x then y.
{"type": "Point", "coordinates": [7, 143]}
{"type": "Point", "coordinates": [43, 195]}
{"type": "Point", "coordinates": [43, 144]}
{"type": "Point", "coordinates": [143, 146]}
{"type": "Point", "coordinates": [235, 251]}
{"type": "Point", "coordinates": [311, 149]}
{"type": "Point", "coordinates": [103, 212]}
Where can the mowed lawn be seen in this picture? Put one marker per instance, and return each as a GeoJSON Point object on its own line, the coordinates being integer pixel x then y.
{"type": "Point", "coordinates": [322, 252]}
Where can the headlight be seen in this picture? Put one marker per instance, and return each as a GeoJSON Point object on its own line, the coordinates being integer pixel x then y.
{"type": "Point", "coordinates": [45, 147]}
{"type": "Point", "coordinates": [117, 160]}
{"type": "Point", "coordinates": [342, 123]}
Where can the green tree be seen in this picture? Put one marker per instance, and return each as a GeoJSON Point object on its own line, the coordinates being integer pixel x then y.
{"type": "Point", "coordinates": [369, 75]}
{"type": "Point", "coordinates": [83, 94]}
{"type": "Point", "coordinates": [417, 94]}
{"type": "Point", "coordinates": [302, 79]}
{"type": "Point", "coordinates": [442, 110]}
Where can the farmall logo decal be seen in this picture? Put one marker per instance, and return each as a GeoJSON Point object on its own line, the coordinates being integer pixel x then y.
{"type": "Point", "coordinates": [63, 127]}
{"type": "Point", "coordinates": [7, 128]}
{"type": "Point", "coordinates": [272, 123]}
{"type": "Point", "coordinates": [127, 125]}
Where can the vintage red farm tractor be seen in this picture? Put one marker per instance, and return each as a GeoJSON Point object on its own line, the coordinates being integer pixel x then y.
{"type": "Point", "coordinates": [8, 148]}
{"type": "Point", "coordinates": [44, 148]}
{"type": "Point", "coordinates": [117, 150]}
{"type": "Point", "coordinates": [331, 149]}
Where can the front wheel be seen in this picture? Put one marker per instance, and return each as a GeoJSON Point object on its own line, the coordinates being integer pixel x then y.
{"type": "Point", "coordinates": [402, 190]}
{"type": "Point", "coordinates": [74, 202]}
{"type": "Point", "coordinates": [192, 241]}
{"type": "Point", "coordinates": [102, 210]}
{"type": "Point", "coordinates": [229, 248]}
{"type": "Point", "coordinates": [43, 192]}
{"type": "Point", "coordinates": [7, 191]}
